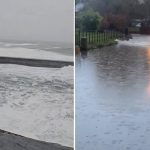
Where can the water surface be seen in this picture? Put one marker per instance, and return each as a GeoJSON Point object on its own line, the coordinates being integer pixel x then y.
{"type": "Point", "coordinates": [113, 97]}
{"type": "Point", "coordinates": [57, 47]}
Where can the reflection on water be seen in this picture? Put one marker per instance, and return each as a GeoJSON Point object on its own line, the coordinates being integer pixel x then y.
{"type": "Point", "coordinates": [148, 60]}
{"type": "Point", "coordinates": [113, 97]}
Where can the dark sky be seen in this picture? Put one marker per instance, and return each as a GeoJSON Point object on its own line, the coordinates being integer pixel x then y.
{"type": "Point", "coordinates": [50, 20]}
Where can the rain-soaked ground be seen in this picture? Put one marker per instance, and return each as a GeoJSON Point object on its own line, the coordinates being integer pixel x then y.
{"type": "Point", "coordinates": [113, 97]}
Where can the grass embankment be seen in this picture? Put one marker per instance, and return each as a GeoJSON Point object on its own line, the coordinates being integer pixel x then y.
{"type": "Point", "coordinates": [110, 42]}
{"type": "Point", "coordinates": [135, 30]}
{"type": "Point", "coordinates": [99, 40]}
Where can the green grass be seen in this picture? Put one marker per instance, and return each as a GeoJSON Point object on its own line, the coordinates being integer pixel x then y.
{"type": "Point", "coordinates": [134, 30]}
{"type": "Point", "coordinates": [102, 44]}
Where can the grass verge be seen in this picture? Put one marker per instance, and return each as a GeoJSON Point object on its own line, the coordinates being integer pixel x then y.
{"type": "Point", "coordinates": [109, 42]}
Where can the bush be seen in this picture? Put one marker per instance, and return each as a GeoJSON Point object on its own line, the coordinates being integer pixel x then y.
{"type": "Point", "coordinates": [114, 22]}
{"type": "Point", "coordinates": [88, 20]}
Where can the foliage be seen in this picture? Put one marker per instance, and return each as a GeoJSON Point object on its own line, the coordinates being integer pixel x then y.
{"type": "Point", "coordinates": [117, 22]}
{"type": "Point", "coordinates": [77, 1]}
{"type": "Point", "coordinates": [88, 20]}
{"type": "Point", "coordinates": [117, 14]}
{"type": "Point", "coordinates": [132, 8]}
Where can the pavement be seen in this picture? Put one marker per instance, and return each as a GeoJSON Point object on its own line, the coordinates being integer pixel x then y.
{"type": "Point", "coordinates": [10, 141]}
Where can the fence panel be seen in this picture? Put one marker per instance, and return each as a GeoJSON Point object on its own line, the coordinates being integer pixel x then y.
{"type": "Point", "coordinates": [96, 37]}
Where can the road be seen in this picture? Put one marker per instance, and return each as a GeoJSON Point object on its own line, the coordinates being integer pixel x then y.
{"type": "Point", "coordinates": [113, 97]}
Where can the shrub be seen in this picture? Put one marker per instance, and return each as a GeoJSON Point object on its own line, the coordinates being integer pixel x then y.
{"type": "Point", "coordinates": [88, 20]}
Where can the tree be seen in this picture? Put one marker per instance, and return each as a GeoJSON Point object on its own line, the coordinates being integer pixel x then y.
{"type": "Point", "coordinates": [88, 20]}
{"type": "Point", "coordinates": [147, 8]}
{"type": "Point", "coordinates": [125, 11]}
{"type": "Point", "coordinates": [77, 1]}
{"type": "Point", "coordinates": [114, 22]}
{"type": "Point", "coordinates": [131, 8]}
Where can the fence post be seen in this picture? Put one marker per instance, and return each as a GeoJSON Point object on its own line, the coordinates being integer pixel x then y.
{"type": "Point", "coordinates": [92, 36]}
{"type": "Point", "coordinates": [83, 46]}
{"type": "Point", "coordinates": [86, 36]}
{"type": "Point", "coordinates": [79, 38]}
{"type": "Point", "coordinates": [89, 37]}
{"type": "Point", "coordinates": [104, 36]}
{"type": "Point", "coordinates": [98, 38]}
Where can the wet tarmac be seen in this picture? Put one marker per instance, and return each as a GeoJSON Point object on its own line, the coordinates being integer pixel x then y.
{"type": "Point", "coordinates": [9, 141]}
{"type": "Point", "coordinates": [113, 97]}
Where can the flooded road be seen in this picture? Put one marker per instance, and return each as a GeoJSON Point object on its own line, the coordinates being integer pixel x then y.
{"type": "Point", "coordinates": [113, 97]}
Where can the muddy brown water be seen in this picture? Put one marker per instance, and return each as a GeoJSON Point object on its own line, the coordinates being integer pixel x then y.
{"type": "Point", "coordinates": [113, 97]}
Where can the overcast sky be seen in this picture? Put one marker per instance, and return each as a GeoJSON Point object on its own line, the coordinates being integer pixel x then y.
{"type": "Point", "coordinates": [50, 20]}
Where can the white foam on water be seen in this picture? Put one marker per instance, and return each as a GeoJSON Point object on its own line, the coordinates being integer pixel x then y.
{"type": "Point", "coordinates": [37, 102]}
{"type": "Point", "coordinates": [17, 44]}
{"type": "Point", "coordinates": [33, 54]}
{"type": "Point", "coordinates": [56, 47]}
{"type": "Point", "coordinates": [137, 40]}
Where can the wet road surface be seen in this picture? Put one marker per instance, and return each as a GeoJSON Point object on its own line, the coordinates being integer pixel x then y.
{"type": "Point", "coordinates": [9, 141]}
{"type": "Point", "coordinates": [113, 97]}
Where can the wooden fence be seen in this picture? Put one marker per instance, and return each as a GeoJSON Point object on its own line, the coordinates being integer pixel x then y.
{"type": "Point", "coordinates": [96, 37]}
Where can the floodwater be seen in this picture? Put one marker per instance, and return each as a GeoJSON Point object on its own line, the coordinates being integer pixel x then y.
{"type": "Point", "coordinates": [113, 97]}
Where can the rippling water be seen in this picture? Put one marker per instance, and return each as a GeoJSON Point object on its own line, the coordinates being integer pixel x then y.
{"type": "Point", "coordinates": [37, 102]}
{"type": "Point", "coordinates": [113, 97]}
{"type": "Point", "coordinates": [58, 47]}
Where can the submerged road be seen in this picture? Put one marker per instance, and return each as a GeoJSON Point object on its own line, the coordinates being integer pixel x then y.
{"type": "Point", "coordinates": [113, 97]}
